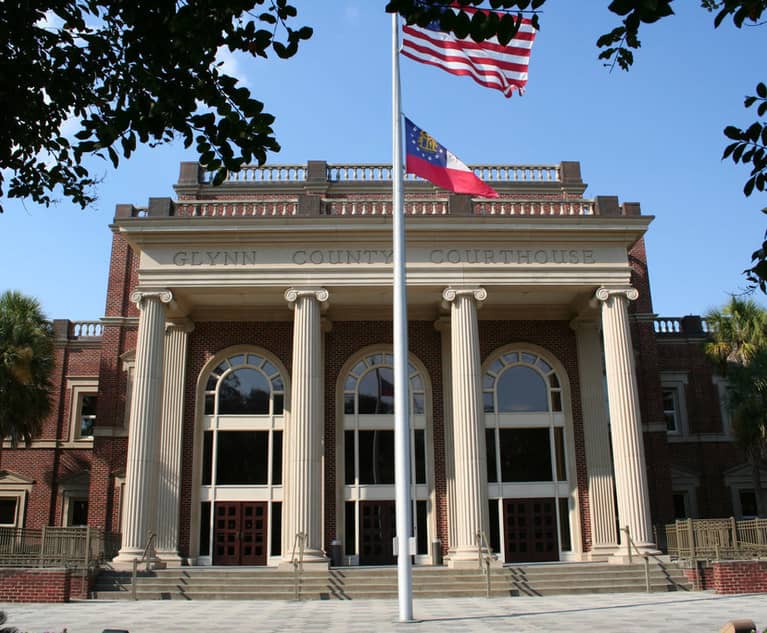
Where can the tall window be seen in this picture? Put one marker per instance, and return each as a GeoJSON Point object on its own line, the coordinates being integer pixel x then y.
{"type": "Point", "coordinates": [525, 439]}
{"type": "Point", "coordinates": [368, 406]}
{"type": "Point", "coordinates": [242, 448]}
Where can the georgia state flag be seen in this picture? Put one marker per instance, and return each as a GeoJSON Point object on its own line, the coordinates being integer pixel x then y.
{"type": "Point", "coordinates": [426, 158]}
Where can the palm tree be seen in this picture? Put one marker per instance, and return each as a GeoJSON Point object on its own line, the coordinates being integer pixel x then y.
{"type": "Point", "coordinates": [739, 349]}
{"type": "Point", "coordinates": [26, 364]}
{"type": "Point", "coordinates": [738, 330]}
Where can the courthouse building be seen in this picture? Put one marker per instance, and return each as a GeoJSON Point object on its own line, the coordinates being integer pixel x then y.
{"type": "Point", "coordinates": [238, 391]}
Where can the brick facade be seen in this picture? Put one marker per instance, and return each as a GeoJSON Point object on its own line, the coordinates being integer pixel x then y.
{"type": "Point", "coordinates": [730, 577]}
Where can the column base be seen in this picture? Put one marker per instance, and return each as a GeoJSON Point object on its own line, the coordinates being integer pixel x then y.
{"type": "Point", "coordinates": [621, 555]}
{"type": "Point", "coordinates": [313, 559]}
{"type": "Point", "coordinates": [602, 553]}
{"type": "Point", "coordinates": [170, 558]}
{"type": "Point", "coordinates": [468, 559]}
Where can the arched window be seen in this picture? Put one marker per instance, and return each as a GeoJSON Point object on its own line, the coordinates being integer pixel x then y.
{"type": "Point", "coordinates": [369, 387]}
{"type": "Point", "coordinates": [244, 384]}
{"type": "Point", "coordinates": [519, 382]}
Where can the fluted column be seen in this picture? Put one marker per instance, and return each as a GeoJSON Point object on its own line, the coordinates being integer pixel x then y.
{"type": "Point", "coordinates": [599, 467]}
{"type": "Point", "coordinates": [625, 421]}
{"type": "Point", "coordinates": [468, 424]}
{"type": "Point", "coordinates": [139, 503]}
{"type": "Point", "coordinates": [302, 501]}
{"type": "Point", "coordinates": [169, 466]}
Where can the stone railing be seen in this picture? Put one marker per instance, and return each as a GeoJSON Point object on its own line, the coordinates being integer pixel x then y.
{"type": "Point", "coordinates": [377, 206]}
{"type": "Point", "coordinates": [264, 173]}
{"type": "Point", "coordinates": [85, 329]}
{"type": "Point", "coordinates": [690, 325]}
{"type": "Point", "coordinates": [223, 208]}
{"type": "Point", "coordinates": [533, 207]}
{"type": "Point", "coordinates": [378, 172]}
{"type": "Point", "coordinates": [716, 539]}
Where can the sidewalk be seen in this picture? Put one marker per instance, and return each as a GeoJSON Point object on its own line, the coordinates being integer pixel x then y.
{"type": "Point", "coordinates": [701, 612]}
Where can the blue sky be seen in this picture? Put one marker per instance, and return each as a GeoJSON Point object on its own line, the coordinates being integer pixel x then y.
{"type": "Point", "coordinates": [653, 135]}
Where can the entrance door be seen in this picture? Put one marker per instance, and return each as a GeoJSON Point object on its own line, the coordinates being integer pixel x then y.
{"type": "Point", "coordinates": [530, 530]}
{"type": "Point", "coordinates": [378, 526]}
{"type": "Point", "coordinates": [239, 533]}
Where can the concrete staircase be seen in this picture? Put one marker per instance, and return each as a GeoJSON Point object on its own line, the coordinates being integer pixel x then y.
{"type": "Point", "coordinates": [355, 583]}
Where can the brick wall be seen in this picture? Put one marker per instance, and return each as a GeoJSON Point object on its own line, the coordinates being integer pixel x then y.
{"type": "Point", "coordinates": [728, 577]}
{"type": "Point", "coordinates": [35, 585]}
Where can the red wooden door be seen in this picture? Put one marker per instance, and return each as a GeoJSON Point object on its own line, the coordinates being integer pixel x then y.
{"type": "Point", "coordinates": [530, 530]}
{"type": "Point", "coordinates": [239, 533]}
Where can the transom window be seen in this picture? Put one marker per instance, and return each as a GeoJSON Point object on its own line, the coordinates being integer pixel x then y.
{"type": "Point", "coordinates": [521, 382]}
{"type": "Point", "coordinates": [369, 387]}
{"type": "Point", "coordinates": [245, 384]}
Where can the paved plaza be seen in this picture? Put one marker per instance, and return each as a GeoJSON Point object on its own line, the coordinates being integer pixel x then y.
{"type": "Point", "coordinates": [700, 612]}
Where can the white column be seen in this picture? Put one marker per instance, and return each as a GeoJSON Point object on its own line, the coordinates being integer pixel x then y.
{"type": "Point", "coordinates": [599, 467]}
{"type": "Point", "coordinates": [169, 466]}
{"type": "Point", "coordinates": [471, 512]}
{"type": "Point", "coordinates": [625, 419]}
{"type": "Point", "coordinates": [302, 503]}
{"type": "Point", "coordinates": [139, 503]}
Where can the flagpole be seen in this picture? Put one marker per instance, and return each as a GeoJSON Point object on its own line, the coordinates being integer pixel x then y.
{"type": "Point", "coordinates": [401, 399]}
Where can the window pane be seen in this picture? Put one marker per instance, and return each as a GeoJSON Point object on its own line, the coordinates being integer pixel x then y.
{"type": "Point", "coordinates": [79, 511]}
{"type": "Point", "coordinates": [564, 525]}
{"type": "Point", "coordinates": [492, 470]}
{"type": "Point", "coordinates": [349, 403]}
{"type": "Point", "coordinates": [487, 399]}
{"type": "Point", "coordinates": [376, 392]}
{"type": "Point", "coordinates": [525, 455]}
{"type": "Point", "coordinates": [553, 381]}
{"type": "Point", "coordinates": [376, 457]}
{"type": "Point", "coordinates": [747, 503]}
{"type": "Point", "coordinates": [279, 403]}
{"type": "Point", "coordinates": [244, 391]}
{"type": "Point", "coordinates": [8, 511]}
{"type": "Point", "coordinates": [496, 367]}
{"type": "Point", "coordinates": [559, 451]}
{"type": "Point", "coordinates": [238, 360]}
{"type": "Point", "coordinates": [205, 528]}
{"type": "Point", "coordinates": [349, 458]}
{"type": "Point", "coordinates": [488, 381]}
{"type": "Point", "coordinates": [422, 531]}
{"type": "Point", "coordinates": [359, 369]}
{"type": "Point", "coordinates": [277, 383]}
{"type": "Point", "coordinates": [543, 366]}
{"type": "Point", "coordinates": [88, 406]}
{"type": "Point", "coordinates": [242, 457]}
{"type": "Point", "coordinates": [420, 456]}
{"type": "Point", "coordinates": [418, 404]}
{"type": "Point", "coordinates": [416, 384]}
{"type": "Point", "coordinates": [511, 358]}
{"type": "Point", "coordinates": [556, 401]}
{"type": "Point", "coordinates": [209, 401]}
{"type": "Point", "coordinates": [276, 458]}
{"type": "Point", "coordinates": [86, 425]}
{"type": "Point", "coordinates": [521, 389]}
{"type": "Point", "coordinates": [255, 360]}
{"type": "Point", "coordinates": [207, 457]}
{"type": "Point", "coordinates": [351, 529]}
{"type": "Point", "coordinates": [680, 505]}
{"type": "Point", "coordinates": [528, 358]}
{"type": "Point", "coordinates": [212, 382]}
{"type": "Point", "coordinates": [495, 528]}
{"type": "Point", "coordinates": [276, 528]}
{"type": "Point", "coordinates": [269, 369]}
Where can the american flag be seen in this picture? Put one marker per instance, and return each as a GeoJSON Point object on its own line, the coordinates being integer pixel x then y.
{"type": "Point", "coordinates": [488, 63]}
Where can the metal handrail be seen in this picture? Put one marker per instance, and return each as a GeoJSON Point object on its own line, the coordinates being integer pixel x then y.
{"type": "Point", "coordinates": [644, 555]}
{"type": "Point", "coordinates": [484, 558]}
{"type": "Point", "coordinates": [149, 555]}
{"type": "Point", "coordinates": [298, 563]}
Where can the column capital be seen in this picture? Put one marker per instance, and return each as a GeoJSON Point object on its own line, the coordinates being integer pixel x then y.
{"type": "Point", "coordinates": [163, 294]}
{"type": "Point", "coordinates": [451, 293]}
{"type": "Point", "coordinates": [585, 325]}
{"type": "Point", "coordinates": [603, 293]}
{"type": "Point", "coordinates": [292, 295]}
{"type": "Point", "coordinates": [183, 325]}
{"type": "Point", "coordinates": [442, 324]}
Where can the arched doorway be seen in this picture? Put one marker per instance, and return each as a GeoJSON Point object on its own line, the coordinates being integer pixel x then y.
{"type": "Point", "coordinates": [366, 458]}
{"type": "Point", "coordinates": [530, 455]}
{"type": "Point", "coordinates": [241, 411]}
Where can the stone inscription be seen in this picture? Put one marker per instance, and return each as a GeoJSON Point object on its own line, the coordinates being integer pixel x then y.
{"type": "Point", "coordinates": [519, 256]}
